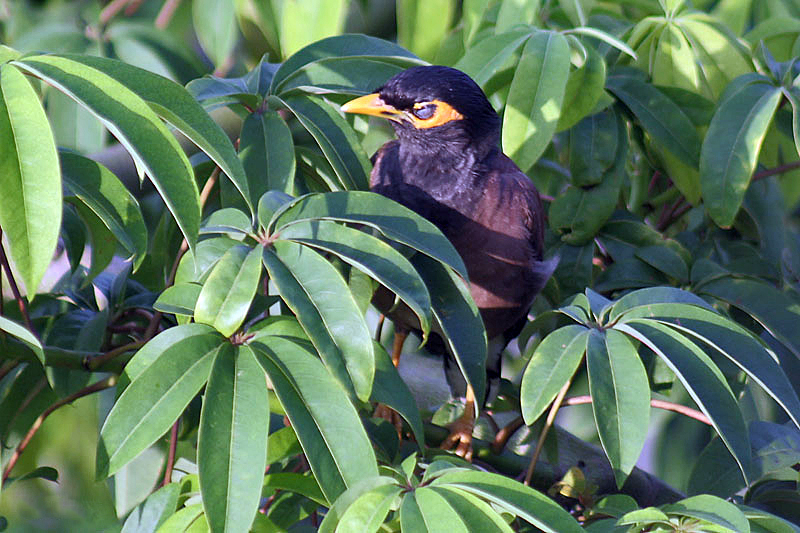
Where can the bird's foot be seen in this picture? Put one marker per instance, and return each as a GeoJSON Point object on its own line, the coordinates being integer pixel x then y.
{"type": "Point", "coordinates": [391, 416]}
{"type": "Point", "coordinates": [460, 438]}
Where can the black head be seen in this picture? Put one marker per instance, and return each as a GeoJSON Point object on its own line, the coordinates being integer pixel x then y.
{"type": "Point", "coordinates": [433, 103]}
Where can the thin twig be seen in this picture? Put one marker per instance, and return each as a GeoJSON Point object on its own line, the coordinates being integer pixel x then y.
{"type": "Point", "coordinates": [658, 404]}
{"type": "Point", "coordinates": [7, 367]}
{"type": "Point", "coordinates": [548, 423]}
{"type": "Point", "coordinates": [110, 11]}
{"type": "Point", "coordinates": [173, 445]}
{"type": "Point", "coordinates": [23, 307]}
{"type": "Point", "coordinates": [93, 363]}
{"type": "Point", "coordinates": [165, 15]}
{"type": "Point", "coordinates": [96, 387]}
{"type": "Point", "coordinates": [780, 169]}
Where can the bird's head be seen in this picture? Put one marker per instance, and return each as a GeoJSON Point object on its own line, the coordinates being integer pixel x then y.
{"type": "Point", "coordinates": [433, 104]}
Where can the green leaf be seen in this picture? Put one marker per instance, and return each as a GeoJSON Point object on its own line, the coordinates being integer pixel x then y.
{"type": "Point", "coordinates": [23, 334]}
{"type": "Point", "coordinates": [583, 90]}
{"type": "Point", "coordinates": [227, 220]}
{"type": "Point", "coordinates": [513, 497]}
{"type": "Point", "coordinates": [190, 519]}
{"type": "Point", "coordinates": [154, 511]}
{"type": "Point", "coordinates": [711, 508]}
{"type": "Point", "coordinates": [103, 242]}
{"type": "Point", "coordinates": [335, 137]}
{"type": "Point", "coordinates": [703, 381]}
{"type": "Point", "coordinates": [340, 47]}
{"type": "Point", "coordinates": [226, 295]}
{"type": "Point", "coordinates": [731, 147]}
{"type": "Point", "coordinates": [654, 295]}
{"type": "Point", "coordinates": [534, 100]}
{"type": "Point", "coordinates": [30, 205]}
{"type": "Point", "coordinates": [305, 22]}
{"type": "Point", "coordinates": [484, 60]}
{"type": "Point", "coordinates": [620, 398]}
{"type": "Point", "coordinates": [346, 75]}
{"type": "Point", "coordinates": [103, 193]}
{"type": "Point", "coordinates": [318, 295]}
{"type": "Point", "coordinates": [422, 24]}
{"type": "Point", "coordinates": [195, 267]}
{"type": "Point", "coordinates": [43, 472]}
{"type": "Point", "coordinates": [215, 28]}
{"type": "Point", "coordinates": [154, 149]}
{"type": "Point", "coordinates": [600, 35]}
{"type": "Point", "coordinates": [232, 440]}
{"type": "Point", "coordinates": [370, 255]}
{"type": "Point", "coordinates": [327, 425]}
{"type": "Point", "coordinates": [390, 389]}
{"type": "Point", "coordinates": [303, 484]}
{"type": "Point", "coordinates": [459, 320]}
{"type": "Point", "coordinates": [267, 152]}
{"type": "Point", "coordinates": [350, 496]}
{"type": "Point", "coordinates": [411, 518]}
{"type": "Point", "coordinates": [437, 514]}
{"type": "Point", "coordinates": [793, 95]}
{"type": "Point", "coordinates": [164, 379]}
{"type": "Point", "coordinates": [369, 511]}
{"type": "Point", "coordinates": [660, 117]}
{"type": "Point", "coordinates": [390, 218]}
{"type": "Point", "coordinates": [553, 363]}
{"type": "Point", "coordinates": [593, 144]}
{"type": "Point", "coordinates": [666, 260]}
{"type": "Point", "coordinates": [515, 12]}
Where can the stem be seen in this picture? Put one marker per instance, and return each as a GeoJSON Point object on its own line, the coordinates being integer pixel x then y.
{"type": "Point", "coordinates": [165, 15]}
{"type": "Point", "coordinates": [173, 445]}
{"type": "Point", "coordinates": [93, 363]}
{"type": "Point", "coordinates": [23, 308]}
{"type": "Point", "coordinates": [7, 367]}
{"type": "Point", "coordinates": [780, 169]}
{"type": "Point", "coordinates": [658, 404]}
{"type": "Point", "coordinates": [551, 416]}
{"type": "Point", "coordinates": [108, 12]}
{"type": "Point", "coordinates": [100, 385]}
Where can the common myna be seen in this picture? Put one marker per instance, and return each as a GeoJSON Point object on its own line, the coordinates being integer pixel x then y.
{"type": "Point", "coordinates": [446, 166]}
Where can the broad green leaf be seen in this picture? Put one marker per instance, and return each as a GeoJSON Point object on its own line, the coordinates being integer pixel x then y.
{"type": "Point", "coordinates": [30, 205]}
{"type": "Point", "coordinates": [459, 320]}
{"type": "Point", "coordinates": [215, 28]}
{"type": "Point", "coordinates": [23, 334]}
{"type": "Point", "coordinates": [390, 389]}
{"type": "Point", "coordinates": [232, 440]}
{"type": "Point", "coordinates": [516, 12]}
{"type": "Point", "coordinates": [179, 299]}
{"type": "Point", "coordinates": [335, 137]}
{"type": "Point", "coordinates": [303, 484]}
{"type": "Point", "coordinates": [422, 24]}
{"type": "Point", "coordinates": [103, 242]}
{"type": "Point", "coordinates": [731, 147]}
{"type": "Point", "coordinates": [480, 515]}
{"type": "Point", "coordinates": [190, 519]}
{"type": "Point", "coordinates": [227, 293]}
{"type": "Point", "coordinates": [340, 46]}
{"type": "Point", "coordinates": [318, 295]}
{"type": "Point", "coordinates": [272, 202]}
{"type": "Point", "coordinates": [327, 425]}
{"type": "Point", "coordinates": [107, 197]}
{"type": "Point", "coordinates": [411, 518]}
{"type": "Point", "coordinates": [583, 90]}
{"type": "Point", "coordinates": [195, 267]}
{"type": "Point", "coordinates": [305, 22]}
{"type": "Point", "coordinates": [660, 117]}
{"type": "Point", "coordinates": [600, 35]}
{"type": "Point", "coordinates": [346, 75]}
{"type": "Point", "coordinates": [369, 511]}
{"type": "Point", "coordinates": [227, 220]}
{"type": "Point", "coordinates": [593, 146]}
{"type": "Point", "coordinates": [155, 150]}
{"type": "Point", "coordinates": [353, 493]}
{"type": "Point", "coordinates": [674, 63]}
{"type": "Point", "coordinates": [666, 260]}
{"type": "Point", "coordinates": [74, 128]}
{"type": "Point", "coordinates": [534, 100]}
{"type": "Point", "coordinates": [654, 295]}
{"type": "Point", "coordinates": [164, 383]}
{"type": "Point", "coordinates": [512, 496]}
{"type": "Point", "coordinates": [154, 511]}
{"type": "Point", "coordinates": [390, 218]}
{"type": "Point", "coordinates": [174, 104]}
{"type": "Point", "coordinates": [620, 398]}
{"type": "Point", "coordinates": [711, 508]}
{"type": "Point", "coordinates": [731, 340]}
{"type": "Point", "coordinates": [703, 381]}
{"type": "Point", "coordinates": [482, 61]}
{"type": "Point", "coordinates": [794, 98]}
{"type": "Point", "coordinates": [553, 362]}
{"type": "Point", "coordinates": [266, 149]}
{"type": "Point", "coordinates": [438, 515]}
{"type": "Point", "coordinates": [370, 255]}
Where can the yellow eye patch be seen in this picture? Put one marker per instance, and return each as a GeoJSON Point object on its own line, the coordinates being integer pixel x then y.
{"type": "Point", "coordinates": [432, 114]}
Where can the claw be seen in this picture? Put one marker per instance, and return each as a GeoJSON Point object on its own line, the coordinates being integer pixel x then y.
{"type": "Point", "coordinates": [460, 438]}
{"type": "Point", "coordinates": [391, 416]}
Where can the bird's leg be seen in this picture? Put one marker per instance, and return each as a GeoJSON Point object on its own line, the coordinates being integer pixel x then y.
{"type": "Point", "coordinates": [384, 411]}
{"type": "Point", "coordinates": [460, 435]}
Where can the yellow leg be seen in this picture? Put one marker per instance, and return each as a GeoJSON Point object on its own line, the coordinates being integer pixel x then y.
{"type": "Point", "coordinates": [461, 430]}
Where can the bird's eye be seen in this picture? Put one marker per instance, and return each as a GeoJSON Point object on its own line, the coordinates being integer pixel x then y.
{"type": "Point", "coordinates": [424, 112]}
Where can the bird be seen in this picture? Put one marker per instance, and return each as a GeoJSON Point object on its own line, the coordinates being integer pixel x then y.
{"type": "Point", "coordinates": [447, 166]}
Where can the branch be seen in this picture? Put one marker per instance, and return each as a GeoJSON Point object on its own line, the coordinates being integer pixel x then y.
{"type": "Point", "coordinates": [100, 385]}
{"type": "Point", "coordinates": [93, 363]}
{"type": "Point", "coordinates": [173, 446]}
{"type": "Point", "coordinates": [23, 308]}
{"type": "Point", "coordinates": [658, 404]}
{"type": "Point", "coordinates": [165, 15]}
{"type": "Point", "coordinates": [780, 169]}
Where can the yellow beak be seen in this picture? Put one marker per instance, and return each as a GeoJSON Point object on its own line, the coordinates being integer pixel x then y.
{"type": "Point", "coordinates": [372, 104]}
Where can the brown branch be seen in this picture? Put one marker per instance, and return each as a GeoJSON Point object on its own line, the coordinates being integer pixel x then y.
{"type": "Point", "coordinates": [173, 446]}
{"type": "Point", "coordinates": [780, 169]}
{"type": "Point", "coordinates": [7, 367]}
{"type": "Point", "coordinates": [93, 363]}
{"type": "Point", "coordinates": [23, 308]}
{"type": "Point", "coordinates": [96, 387]}
{"type": "Point", "coordinates": [548, 423]}
{"type": "Point", "coordinates": [658, 404]}
{"type": "Point", "coordinates": [110, 11]}
{"type": "Point", "coordinates": [165, 14]}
